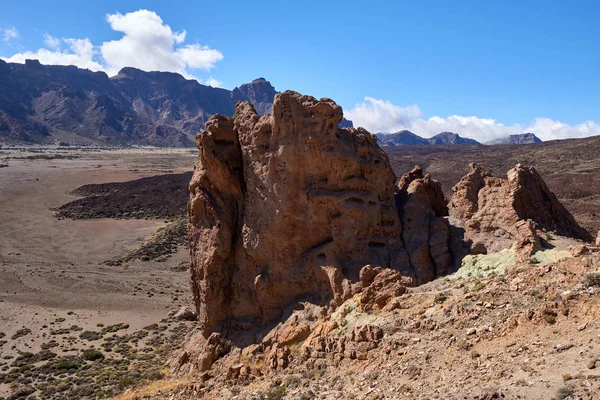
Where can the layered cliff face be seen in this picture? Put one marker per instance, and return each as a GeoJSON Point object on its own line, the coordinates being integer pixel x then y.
{"type": "Point", "coordinates": [289, 206]}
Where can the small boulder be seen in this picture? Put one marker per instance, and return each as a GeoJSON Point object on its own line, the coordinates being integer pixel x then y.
{"type": "Point", "coordinates": [186, 314]}
{"type": "Point", "coordinates": [579, 250]}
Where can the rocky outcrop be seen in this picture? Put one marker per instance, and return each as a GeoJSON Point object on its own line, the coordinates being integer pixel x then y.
{"type": "Point", "coordinates": [426, 234]}
{"type": "Point", "coordinates": [464, 201]}
{"type": "Point", "coordinates": [494, 211]}
{"type": "Point", "coordinates": [533, 200]}
{"type": "Point", "coordinates": [289, 207]}
{"type": "Point", "coordinates": [379, 287]}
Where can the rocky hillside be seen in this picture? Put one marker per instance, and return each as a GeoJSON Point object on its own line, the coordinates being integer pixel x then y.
{"type": "Point", "coordinates": [48, 103]}
{"type": "Point", "coordinates": [405, 137]}
{"type": "Point", "coordinates": [386, 297]}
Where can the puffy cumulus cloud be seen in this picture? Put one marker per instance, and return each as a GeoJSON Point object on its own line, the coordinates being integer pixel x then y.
{"type": "Point", "coordinates": [9, 34]}
{"type": "Point", "coordinates": [383, 116]}
{"type": "Point", "coordinates": [147, 43]}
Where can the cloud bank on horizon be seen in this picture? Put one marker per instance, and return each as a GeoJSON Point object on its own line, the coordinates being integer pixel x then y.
{"type": "Point", "coordinates": [147, 43]}
{"type": "Point", "coordinates": [381, 116]}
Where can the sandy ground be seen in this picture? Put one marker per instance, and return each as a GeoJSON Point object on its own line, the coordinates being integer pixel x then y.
{"type": "Point", "coordinates": [51, 271]}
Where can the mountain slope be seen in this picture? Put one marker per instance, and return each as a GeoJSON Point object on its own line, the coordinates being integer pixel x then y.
{"type": "Point", "coordinates": [523, 138]}
{"type": "Point", "coordinates": [259, 92]}
{"type": "Point", "coordinates": [451, 138]}
{"type": "Point", "coordinates": [46, 103]}
{"type": "Point", "coordinates": [405, 137]}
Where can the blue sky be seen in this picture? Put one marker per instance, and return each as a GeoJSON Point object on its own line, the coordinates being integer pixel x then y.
{"type": "Point", "coordinates": [481, 68]}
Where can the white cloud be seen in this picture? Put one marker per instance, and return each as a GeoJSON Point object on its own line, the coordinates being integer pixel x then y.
{"type": "Point", "coordinates": [147, 43]}
{"type": "Point", "coordinates": [51, 42]}
{"type": "Point", "coordinates": [79, 52]}
{"type": "Point", "coordinates": [213, 82]}
{"type": "Point", "coordinates": [383, 116]}
{"type": "Point", "coordinates": [9, 34]}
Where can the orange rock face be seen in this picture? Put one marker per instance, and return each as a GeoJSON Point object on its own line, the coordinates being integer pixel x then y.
{"type": "Point", "coordinates": [289, 207]}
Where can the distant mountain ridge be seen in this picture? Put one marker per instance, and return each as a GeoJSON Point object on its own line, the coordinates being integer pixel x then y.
{"type": "Point", "coordinates": [405, 137]}
{"type": "Point", "coordinates": [451, 138]}
{"type": "Point", "coordinates": [259, 92]}
{"type": "Point", "coordinates": [49, 103]}
{"type": "Point", "coordinates": [523, 138]}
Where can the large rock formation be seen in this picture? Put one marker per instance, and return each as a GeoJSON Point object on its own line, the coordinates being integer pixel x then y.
{"type": "Point", "coordinates": [495, 211]}
{"type": "Point", "coordinates": [289, 207]}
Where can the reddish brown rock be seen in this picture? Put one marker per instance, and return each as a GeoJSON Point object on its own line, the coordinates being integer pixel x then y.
{"type": "Point", "coordinates": [579, 250]}
{"type": "Point", "coordinates": [493, 210]}
{"type": "Point", "coordinates": [527, 240]}
{"type": "Point", "coordinates": [380, 286]}
{"type": "Point", "coordinates": [533, 200]}
{"type": "Point", "coordinates": [367, 333]}
{"type": "Point", "coordinates": [289, 206]}
{"type": "Point", "coordinates": [288, 333]}
{"type": "Point", "coordinates": [216, 200]}
{"type": "Point", "coordinates": [426, 234]}
{"type": "Point", "coordinates": [464, 202]}
{"type": "Point", "coordinates": [425, 189]}
{"type": "Point", "coordinates": [200, 353]}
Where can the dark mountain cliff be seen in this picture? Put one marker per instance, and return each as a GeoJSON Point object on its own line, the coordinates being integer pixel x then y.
{"type": "Point", "coordinates": [47, 103]}
{"type": "Point", "coordinates": [259, 92]}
